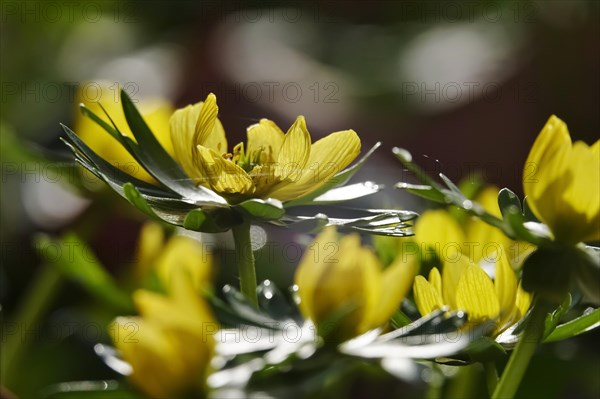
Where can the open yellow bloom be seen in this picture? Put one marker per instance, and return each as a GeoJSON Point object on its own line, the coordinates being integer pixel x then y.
{"type": "Point", "coordinates": [168, 257]}
{"type": "Point", "coordinates": [271, 165]}
{"type": "Point", "coordinates": [344, 289]}
{"type": "Point", "coordinates": [463, 285]}
{"type": "Point", "coordinates": [170, 345]}
{"type": "Point", "coordinates": [561, 180]}
{"type": "Point", "coordinates": [156, 114]}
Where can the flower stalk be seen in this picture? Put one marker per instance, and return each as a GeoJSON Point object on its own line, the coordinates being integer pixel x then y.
{"type": "Point", "coordinates": [519, 360]}
{"type": "Point", "coordinates": [246, 263]}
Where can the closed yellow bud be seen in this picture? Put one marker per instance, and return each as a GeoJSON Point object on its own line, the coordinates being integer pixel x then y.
{"type": "Point", "coordinates": [170, 345]}
{"type": "Point", "coordinates": [344, 288]}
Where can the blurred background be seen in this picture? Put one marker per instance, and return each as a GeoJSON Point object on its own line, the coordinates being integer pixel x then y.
{"type": "Point", "coordinates": [465, 86]}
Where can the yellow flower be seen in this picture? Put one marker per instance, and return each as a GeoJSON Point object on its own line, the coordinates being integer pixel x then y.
{"type": "Point", "coordinates": [463, 285]}
{"type": "Point", "coordinates": [156, 113]}
{"type": "Point", "coordinates": [179, 253]}
{"type": "Point", "coordinates": [438, 231]}
{"type": "Point", "coordinates": [562, 183]}
{"type": "Point", "coordinates": [170, 345]}
{"type": "Point", "coordinates": [271, 165]}
{"type": "Point", "coordinates": [344, 289]}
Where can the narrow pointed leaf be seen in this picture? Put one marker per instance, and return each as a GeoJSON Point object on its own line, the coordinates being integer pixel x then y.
{"type": "Point", "coordinates": [423, 191]}
{"type": "Point", "coordinates": [347, 193]}
{"type": "Point", "coordinates": [160, 164]}
{"type": "Point", "coordinates": [587, 322]}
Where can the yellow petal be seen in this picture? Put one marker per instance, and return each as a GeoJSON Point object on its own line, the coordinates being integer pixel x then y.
{"type": "Point", "coordinates": [451, 275]}
{"type": "Point", "coordinates": [545, 169]}
{"type": "Point", "coordinates": [482, 240]}
{"type": "Point", "coordinates": [477, 296]}
{"type": "Point", "coordinates": [196, 125]}
{"type": "Point", "coordinates": [220, 174]}
{"type": "Point", "coordinates": [265, 136]}
{"type": "Point", "coordinates": [145, 348]}
{"type": "Point", "coordinates": [150, 245]}
{"type": "Point", "coordinates": [294, 151]}
{"type": "Point", "coordinates": [308, 273]}
{"type": "Point", "coordinates": [435, 279]}
{"type": "Point", "coordinates": [427, 297]}
{"type": "Point", "coordinates": [581, 199]}
{"type": "Point", "coordinates": [522, 302]}
{"type": "Point", "coordinates": [209, 132]}
{"type": "Point", "coordinates": [185, 253]}
{"type": "Point", "coordinates": [396, 281]}
{"type": "Point", "coordinates": [438, 231]}
{"type": "Point", "coordinates": [167, 361]}
{"type": "Point", "coordinates": [505, 282]}
{"type": "Point", "coordinates": [328, 156]}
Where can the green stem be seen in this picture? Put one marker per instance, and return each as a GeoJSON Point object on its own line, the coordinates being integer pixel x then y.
{"type": "Point", "coordinates": [245, 258]}
{"type": "Point", "coordinates": [519, 360]}
{"type": "Point", "coordinates": [35, 303]}
{"type": "Point", "coordinates": [464, 383]}
{"type": "Point", "coordinates": [436, 384]}
{"type": "Point", "coordinates": [491, 376]}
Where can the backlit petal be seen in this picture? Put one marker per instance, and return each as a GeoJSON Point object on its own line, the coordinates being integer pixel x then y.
{"type": "Point", "coordinates": [477, 296]}
{"type": "Point", "coordinates": [294, 151]}
{"type": "Point", "coordinates": [544, 169]}
{"type": "Point", "coordinates": [438, 231]}
{"type": "Point", "coordinates": [427, 297]}
{"type": "Point", "coordinates": [523, 301]}
{"type": "Point", "coordinates": [435, 279]}
{"type": "Point", "coordinates": [191, 124]}
{"type": "Point", "coordinates": [397, 279]}
{"type": "Point", "coordinates": [505, 282]}
{"type": "Point", "coordinates": [451, 275]}
{"type": "Point", "coordinates": [328, 156]}
{"type": "Point", "coordinates": [265, 135]}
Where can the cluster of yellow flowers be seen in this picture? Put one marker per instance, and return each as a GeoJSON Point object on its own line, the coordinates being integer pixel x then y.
{"type": "Point", "coordinates": [350, 292]}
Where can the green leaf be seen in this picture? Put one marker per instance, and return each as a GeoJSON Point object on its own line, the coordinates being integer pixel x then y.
{"type": "Point", "coordinates": [211, 221]}
{"type": "Point", "coordinates": [587, 272]}
{"type": "Point", "coordinates": [135, 198]}
{"type": "Point", "coordinates": [273, 302]}
{"type": "Point", "coordinates": [424, 191]}
{"type": "Point", "coordinates": [101, 389]}
{"type": "Point", "coordinates": [157, 161]}
{"type": "Point", "coordinates": [76, 260]}
{"type": "Point", "coordinates": [587, 322]}
{"type": "Point", "coordinates": [485, 349]}
{"type": "Point", "coordinates": [347, 193]}
{"type": "Point", "coordinates": [516, 222]}
{"type": "Point", "coordinates": [399, 320]}
{"type": "Point", "coordinates": [308, 224]}
{"type": "Point", "coordinates": [240, 305]}
{"type": "Point", "coordinates": [451, 185]}
{"type": "Point", "coordinates": [553, 318]}
{"type": "Point", "coordinates": [527, 212]}
{"type": "Point", "coordinates": [339, 179]}
{"type": "Point", "coordinates": [269, 209]}
{"type": "Point", "coordinates": [507, 199]}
